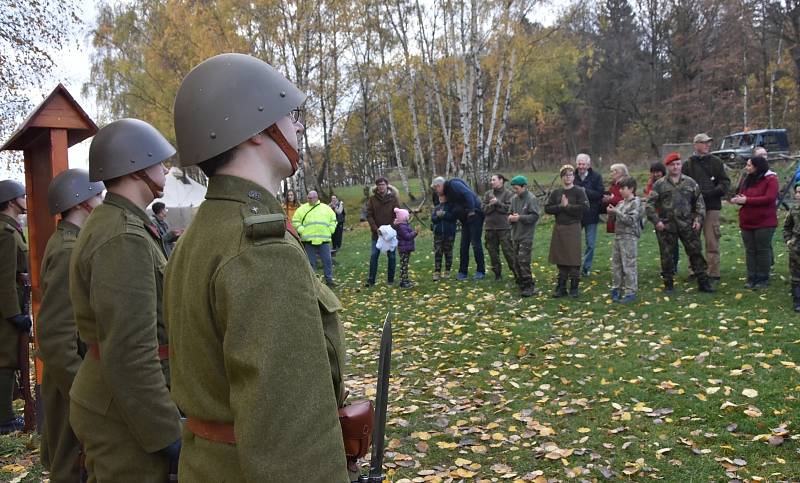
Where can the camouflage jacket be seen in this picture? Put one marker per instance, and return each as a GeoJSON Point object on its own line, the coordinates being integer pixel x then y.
{"type": "Point", "coordinates": [791, 228]}
{"type": "Point", "coordinates": [677, 205]}
{"type": "Point", "coordinates": [629, 216]}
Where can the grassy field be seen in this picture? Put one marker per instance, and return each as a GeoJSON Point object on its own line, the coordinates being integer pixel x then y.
{"type": "Point", "coordinates": [490, 387]}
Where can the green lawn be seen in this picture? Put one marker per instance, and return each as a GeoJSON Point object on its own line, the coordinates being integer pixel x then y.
{"type": "Point", "coordinates": [490, 387]}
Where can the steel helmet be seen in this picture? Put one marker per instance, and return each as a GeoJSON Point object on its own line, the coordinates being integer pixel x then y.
{"type": "Point", "coordinates": [10, 189]}
{"type": "Point", "coordinates": [227, 99]}
{"type": "Point", "coordinates": [70, 188]}
{"type": "Point", "coordinates": [126, 146]}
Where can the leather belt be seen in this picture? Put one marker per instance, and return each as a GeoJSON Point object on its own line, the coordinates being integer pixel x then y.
{"type": "Point", "coordinates": [163, 351]}
{"type": "Point", "coordinates": [211, 430]}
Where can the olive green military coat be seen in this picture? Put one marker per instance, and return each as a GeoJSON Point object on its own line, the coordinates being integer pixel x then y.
{"type": "Point", "coordinates": [116, 284]}
{"type": "Point", "coordinates": [61, 351]}
{"type": "Point", "coordinates": [13, 260]}
{"type": "Point", "coordinates": [255, 342]}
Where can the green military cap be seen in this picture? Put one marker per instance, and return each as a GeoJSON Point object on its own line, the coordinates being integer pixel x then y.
{"type": "Point", "coordinates": [519, 180]}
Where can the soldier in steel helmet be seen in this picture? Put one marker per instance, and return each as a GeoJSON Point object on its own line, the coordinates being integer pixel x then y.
{"type": "Point", "coordinates": [13, 261]}
{"type": "Point", "coordinates": [120, 407]}
{"type": "Point", "coordinates": [72, 196]}
{"type": "Point", "coordinates": [257, 348]}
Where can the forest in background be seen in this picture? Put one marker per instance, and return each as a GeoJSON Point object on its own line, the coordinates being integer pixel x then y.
{"type": "Point", "coordinates": [415, 88]}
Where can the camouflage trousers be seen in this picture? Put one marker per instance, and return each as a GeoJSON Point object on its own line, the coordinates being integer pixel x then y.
{"type": "Point", "coordinates": [522, 262]}
{"type": "Point", "coordinates": [442, 247]}
{"type": "Point", "coordinates": [794, 264]}
{"type": "Point", "coordinates": [624, 273]}
{"type": "Point", "coordinates": [404, 259]}
{"type": "Point", "coordinates": [496, 240]}
{"type": "Point", "coordinates": [668, 240]}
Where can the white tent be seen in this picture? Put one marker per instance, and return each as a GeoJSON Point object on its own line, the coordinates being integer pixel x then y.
{"type": "Point", "coordinates": [182, 197]}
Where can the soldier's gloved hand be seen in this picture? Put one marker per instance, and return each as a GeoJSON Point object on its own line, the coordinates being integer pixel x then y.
{"type": "Point", "coordinates": [173, 451]}
{"type": "Point", "coordinates": [21, 322]}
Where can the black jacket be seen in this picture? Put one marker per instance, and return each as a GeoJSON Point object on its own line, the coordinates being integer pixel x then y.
{"type": "Point", "coordinates": [593, 185]}
{"type": "Point", "coordinates": [709, 172]}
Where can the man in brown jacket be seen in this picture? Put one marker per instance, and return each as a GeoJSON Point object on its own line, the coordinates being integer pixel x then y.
{"type": "Point", "coordinates": [380, 211]}
{"type": "Point", "coordinates": [74, 197]}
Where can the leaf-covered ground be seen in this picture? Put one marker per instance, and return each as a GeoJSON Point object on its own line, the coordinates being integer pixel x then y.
{"type": "Point", "coordinates": [490, 387]}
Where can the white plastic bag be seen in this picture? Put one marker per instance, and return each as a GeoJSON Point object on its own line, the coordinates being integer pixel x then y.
{"type": "Point", "coordinates": [387, 239]}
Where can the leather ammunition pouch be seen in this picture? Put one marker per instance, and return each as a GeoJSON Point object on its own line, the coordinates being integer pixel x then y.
{"type": "Point", "coordinates": [356, 421]}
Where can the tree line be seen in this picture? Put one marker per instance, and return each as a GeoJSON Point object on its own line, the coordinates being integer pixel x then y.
{"type": "Point", "coordinates": [464, 88]}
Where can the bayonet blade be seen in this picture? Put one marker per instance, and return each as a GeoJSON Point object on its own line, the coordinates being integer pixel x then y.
{"type": "Point", "coordinates": [381, 402]}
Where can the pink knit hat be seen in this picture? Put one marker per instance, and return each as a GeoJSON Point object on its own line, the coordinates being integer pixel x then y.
{"type": "Point", "coordinates": [401, 214]}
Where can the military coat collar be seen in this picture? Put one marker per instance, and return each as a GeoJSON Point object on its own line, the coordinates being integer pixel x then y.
{"type": "Point", "coordinates": [125, 204]}
{"type": "Point", "coordinates": [234, 188]}
{"type": "Point", "coordinates": [11, 222]}
{"type": "Point", "coordinates": [68, 226]}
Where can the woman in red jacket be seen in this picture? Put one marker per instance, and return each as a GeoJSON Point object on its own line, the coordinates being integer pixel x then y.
{"type": "Point", "coordinates": [758, 218]}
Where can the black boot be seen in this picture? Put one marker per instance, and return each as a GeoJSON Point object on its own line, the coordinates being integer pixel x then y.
{"type": "Point", "coordinates": [561, 288]}
{"type": "Point", "coordinates": [497, 276]}
{"type": "Point", "coordinates": [796, 296]}
{"type": "Point", "coordinates": [704, 284]}
{"type": "Point", "coordinates": [574, 282]}
{"type": "Point", "coordinates": [669, 285]}
{"type": "Point", "coordinates": [528, 289]}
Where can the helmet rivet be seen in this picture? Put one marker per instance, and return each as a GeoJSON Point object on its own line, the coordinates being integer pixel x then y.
{"type": "Point", "coordinates": [133, 161]}
{"type": "Point", "coordinates": [213, 135]}
{"type": "Point", "coordinates": [260, 108]}
{"type": "Point", "coordinates": [150, 155]}
{"type": "Point", "coordinates": [76, 195]}
{"type": "Point", "coordinates": [283, 94]}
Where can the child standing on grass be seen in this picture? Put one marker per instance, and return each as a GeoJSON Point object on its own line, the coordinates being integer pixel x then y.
{"type": "Point", "coordinates": [405, 243]}
{"type": "Point", "coordinates": [628, 228]}
{"type": "Point", "coordinates": [791, 236]}
{"type": "Point", "coordinates": [444, 235]}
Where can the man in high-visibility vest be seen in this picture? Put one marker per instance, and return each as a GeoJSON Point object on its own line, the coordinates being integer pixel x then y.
{"type": "Point", "coordinates": [315, 222]}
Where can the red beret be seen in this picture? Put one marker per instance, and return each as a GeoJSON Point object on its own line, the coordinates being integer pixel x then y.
{"type": "Point", "coordinates": [671, 158]}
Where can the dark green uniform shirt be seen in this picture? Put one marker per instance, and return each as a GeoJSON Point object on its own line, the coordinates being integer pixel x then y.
{"type": "Point", "coordinates": [116, 284]}
{"type": "Point", "coordinates": [255, 343]}
{"type": "Point", "coordinates": [677, 205]}
{"type": "Point", "coordinates": [13, 260]}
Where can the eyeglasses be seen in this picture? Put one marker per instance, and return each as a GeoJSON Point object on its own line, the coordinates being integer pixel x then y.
{"type": "Point", "coordinates": [294, 114]}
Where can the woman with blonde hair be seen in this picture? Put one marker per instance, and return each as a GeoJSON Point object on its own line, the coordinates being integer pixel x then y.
{"type": "Point", "coordinates": [567, 204]}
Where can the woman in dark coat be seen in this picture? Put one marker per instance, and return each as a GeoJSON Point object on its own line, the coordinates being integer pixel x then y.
{"type": "Point", "coordinates": [567, 204]}
{"type": "Point", "coordinates": [758, 218]}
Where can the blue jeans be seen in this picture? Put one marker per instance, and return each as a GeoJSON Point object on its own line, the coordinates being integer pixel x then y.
{"type": "Point", "coordinates": [373, 264]}
{"type": "Point", "coordinates": [324, 251]}
{"type": "Point", "coordinates": [588, 254]}
{"type": "Point", "coordinates": [471, 231]}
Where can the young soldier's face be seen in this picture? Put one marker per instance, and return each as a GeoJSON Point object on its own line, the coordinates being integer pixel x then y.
{"type": "Point", "coordinates": [797, 193]}
{"type": "Point", "coordinates": [626, 192]}
{"type": "Point", "coordinates": [675, 167]}
{"type": "Point", "coordinates": [518, 190]}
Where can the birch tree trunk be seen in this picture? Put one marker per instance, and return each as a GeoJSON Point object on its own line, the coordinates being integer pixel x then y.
{"type": "Point", "coordinates": [398, 158]}
{"type": "Point", "coordinates": [506, 111]}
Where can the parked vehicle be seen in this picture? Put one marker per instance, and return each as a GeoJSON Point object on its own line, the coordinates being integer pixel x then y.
{"type": "Point", "coordinates": [736, 148]}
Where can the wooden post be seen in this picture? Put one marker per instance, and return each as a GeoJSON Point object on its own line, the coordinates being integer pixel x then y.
{"type": "Point", "coordinates": [44, 138]}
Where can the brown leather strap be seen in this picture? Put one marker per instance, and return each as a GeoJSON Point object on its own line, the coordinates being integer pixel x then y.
{"type": "Point", "coordinates": [94, 351]}
{"type": "Point", "coordinates": [211, 430]}
{"type": "Point", "coordinates": [275, 133]}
